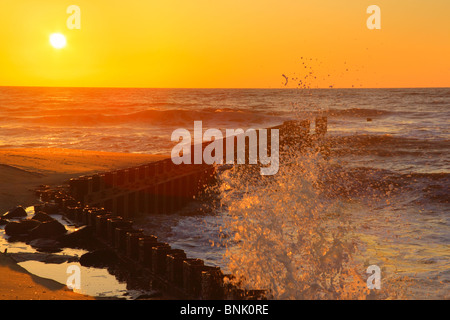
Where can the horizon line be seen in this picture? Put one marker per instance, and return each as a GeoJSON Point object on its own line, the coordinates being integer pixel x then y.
{"type": "Point", "coordinates": [217, 88]}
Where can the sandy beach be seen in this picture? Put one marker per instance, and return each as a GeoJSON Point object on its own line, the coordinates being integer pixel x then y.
{"type": "Point", "coordinates": [18, 284]}
{"type": "Point", "coordinates": [21, 171]}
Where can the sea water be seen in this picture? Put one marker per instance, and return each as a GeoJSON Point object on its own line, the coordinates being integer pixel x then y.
{"type": "Point", "coordinates": [378, 196]}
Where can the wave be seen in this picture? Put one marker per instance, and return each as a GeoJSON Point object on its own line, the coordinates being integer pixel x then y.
{"type": "Point", "coordinates": [175, 117]}
{"type": "Point", "coordinates": [369, 112]}
{"type": "Point", "coordinates": [385, 145]}
{"type": "Point", "coordinates": [372, 183]}
{"type": "Point", "coordinates": [357, 112]}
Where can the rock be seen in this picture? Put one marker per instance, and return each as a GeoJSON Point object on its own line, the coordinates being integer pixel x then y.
{"type": "Point", "coordinates": [152, 295]}
{"type": "Point", "coordinates": [58, 259]}
{"type": "Point", "coordinates": [16, 228]}
{"type": "Point", "coordinates": [3, 221]}
{"type": "Point", "coordinates": [42, 216]}
{"type": "Point", "coordinates": [47, 245]}
{"type": "Point", "coordinates": [99, 258]}
{"type": "Point", "coordinates": [46, 257]}
{"type": "Point", "coordinates": [81, 237]}
{"type": "Point", "coordinates": [49, 229]}
{"type": "Point", "coordinates": [17, 212]}
{"type": "Point", "coordinates": [49, 208]}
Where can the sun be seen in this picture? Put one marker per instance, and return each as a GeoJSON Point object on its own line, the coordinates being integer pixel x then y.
{"type": "Point", "coordinates": [57, 40]}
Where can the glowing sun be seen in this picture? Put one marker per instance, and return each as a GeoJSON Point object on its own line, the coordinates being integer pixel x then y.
{"type": "Point", "coordinates": [57, 40]}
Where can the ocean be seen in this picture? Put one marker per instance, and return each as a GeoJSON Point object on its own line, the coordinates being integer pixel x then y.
{"type": "Point", "coordinates": [386, 171]}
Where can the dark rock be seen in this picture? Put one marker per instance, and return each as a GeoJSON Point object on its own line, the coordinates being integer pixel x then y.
{"type": "Point", "coordinates": [49, 229]}
{"type": "Point", "coordinates": [152, 295]}
{"type": "Point", "coordinates": [16, 228]}
{"type": "Point", "coordinates": [49, 208]}
{"type": "Point", "coordinates": [42, 216]}
{"type": "Point", "coordinates": [46, 257]}
{"type": "Point", "coordinates": [47, 245]}
{"type": "Point", "coordinates": [17, 212]}
{"type": "Point", "coordinates": [58, 259]}
{"type": "Point", "coordinates": [99, 258]}
{"type": "Point", "coordinates": [81, 237]}
{"type": "Point", "coordinates": [3, 221]}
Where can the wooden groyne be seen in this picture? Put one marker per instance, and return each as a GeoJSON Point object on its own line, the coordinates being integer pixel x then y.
{"type": "Point", "coordinates": [159, 187]}
{"type": "Point", "coordinates": [107, 202]}
{"type": "Point", "coordinates": [162, 187]}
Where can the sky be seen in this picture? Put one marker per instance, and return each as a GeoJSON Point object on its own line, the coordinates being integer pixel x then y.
{"type": "Point", "coordinates": [226, 44]}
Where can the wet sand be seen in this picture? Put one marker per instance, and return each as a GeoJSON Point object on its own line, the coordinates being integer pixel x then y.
{"type": "Point", "coordinates": [18, 284]}
{"type": "Point", "coordinates": [21, 171]}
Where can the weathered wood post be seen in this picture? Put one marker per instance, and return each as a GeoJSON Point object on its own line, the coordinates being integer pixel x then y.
{"type": "Point", "coordinates": [174, 262]}
{"type": "Point", "coordinates": [79, 188]}
{"type": "Point", "coordinates": [192, 276]}
{"type": "Point", "coordinates": [145, 244]}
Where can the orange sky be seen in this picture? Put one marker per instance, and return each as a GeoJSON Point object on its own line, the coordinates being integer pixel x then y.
{"type": "Point", "coordinates": [226, 44]}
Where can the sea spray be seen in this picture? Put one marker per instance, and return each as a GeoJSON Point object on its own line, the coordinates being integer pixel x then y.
{"type": "Point", "coordinates": [292, 234]}
{"type": "Point", "coordinates": [286, 238]}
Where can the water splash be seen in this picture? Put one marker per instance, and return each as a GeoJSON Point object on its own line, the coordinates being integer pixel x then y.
{"type": "Point", "coordinates": [287, 238]}
{"type": "Point", "coordinates": [291, 234]}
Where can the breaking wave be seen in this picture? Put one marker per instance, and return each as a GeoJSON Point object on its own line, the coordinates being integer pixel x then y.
{"type": "Point", "coordinates": [176, 117]}
{"type": "Point", "coordinates": [289, 236]}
